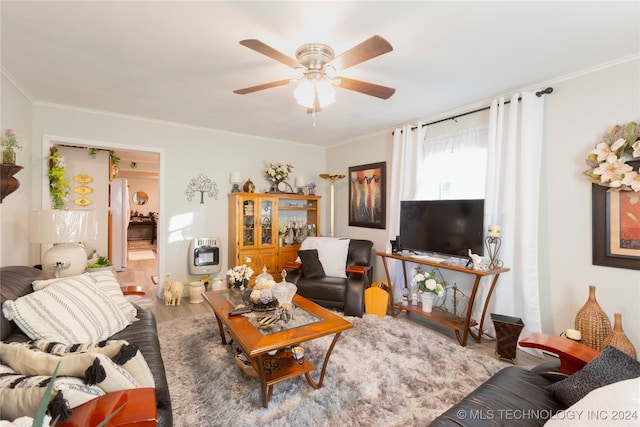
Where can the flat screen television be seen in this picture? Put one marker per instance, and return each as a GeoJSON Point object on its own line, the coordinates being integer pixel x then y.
{"type": "Point", "coordinates": [449, 227]}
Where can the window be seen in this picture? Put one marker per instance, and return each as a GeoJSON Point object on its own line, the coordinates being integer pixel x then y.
{"type": "Point", "coordinates": [453, 166]}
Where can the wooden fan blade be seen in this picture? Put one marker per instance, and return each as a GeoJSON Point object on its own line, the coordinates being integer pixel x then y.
{"type": "Point", "coordinates": [264, 49]}
{"type": "Point", "coordinates": [378, 91]}
{"type": "Point", "coordinates": [368, 49]}
{"type": "Point", "coordinates": [262, 87]}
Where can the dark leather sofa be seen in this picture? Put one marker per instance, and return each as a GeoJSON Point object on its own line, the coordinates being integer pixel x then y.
{"type": "Point", "coordinates": [15, 281]}
{"type": "Point", "coordinates": [518, 396]}
{"type": "Point", "coordinates": [513, 396]}
{"type": "Point", "coordinates": [347, 294]}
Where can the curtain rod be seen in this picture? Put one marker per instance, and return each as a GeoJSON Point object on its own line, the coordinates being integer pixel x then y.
{"type": "Point", "coordinates": [538, 94]}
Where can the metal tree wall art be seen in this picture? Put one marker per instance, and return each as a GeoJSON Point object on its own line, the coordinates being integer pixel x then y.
{"type": "Point", "coordinates": [201, 184]}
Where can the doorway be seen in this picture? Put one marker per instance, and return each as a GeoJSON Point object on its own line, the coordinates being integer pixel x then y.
{"type": "Point", "coordinates": [141, 166]}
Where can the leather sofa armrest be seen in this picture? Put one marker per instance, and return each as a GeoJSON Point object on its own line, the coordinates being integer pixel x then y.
{"type": "Point", "coordinates": [573, 355]}
{"type": "Point", "coordinates": [358, 269]}
{"type": "Point", "coordinates": [292, 265]}
{"type": "Point", "coordinates": [133, 290]}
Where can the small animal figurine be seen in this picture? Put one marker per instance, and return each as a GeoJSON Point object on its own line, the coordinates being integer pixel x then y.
{"type": "Point", "coordinates": [173, 293]}
{"type": "Point", "coordinates": [479, 262]}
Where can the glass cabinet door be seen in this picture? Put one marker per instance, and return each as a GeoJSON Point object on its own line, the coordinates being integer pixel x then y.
{"type": "Point", "coordinates": [266, 222]}
{"type": "Point", "coordinates": [248, 223]}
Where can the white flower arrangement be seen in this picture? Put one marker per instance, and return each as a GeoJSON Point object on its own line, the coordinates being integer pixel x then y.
{"type": "Point", "coordinates": [607, 161]}
{"type": "Point", "coordinates": [241, 272]}
{"type": "Point", "coordinates": [426, 282]}
{"type": "Point", "coordinates": [278, 172]}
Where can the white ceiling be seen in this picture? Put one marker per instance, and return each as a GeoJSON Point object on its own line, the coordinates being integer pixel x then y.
{"type": "Point", "coordinates": [180, 61]}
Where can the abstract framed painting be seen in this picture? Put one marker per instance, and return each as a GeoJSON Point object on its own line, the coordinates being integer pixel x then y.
{"type": "Point", "coordinates": [368, 195]}
{"type": "Point", "coordinates": [616, 228]}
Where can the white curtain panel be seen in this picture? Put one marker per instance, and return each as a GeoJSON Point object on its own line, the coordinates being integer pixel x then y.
{"type": "Point", "coordinates": [512, 201]}
{"type": "Point", "coordinates": [404, 166]}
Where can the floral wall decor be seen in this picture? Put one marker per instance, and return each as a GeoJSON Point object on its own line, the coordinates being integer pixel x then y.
{"type": "Point", "coordinates": [608, 161]}
{"type": "Point", "coordinates": [614, 170]}
{"type": "Point", "coordinates": [202, 184]}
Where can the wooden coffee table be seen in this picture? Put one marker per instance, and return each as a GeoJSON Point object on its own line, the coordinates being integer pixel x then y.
{"type": "Point", "coordinates": [310, 321]}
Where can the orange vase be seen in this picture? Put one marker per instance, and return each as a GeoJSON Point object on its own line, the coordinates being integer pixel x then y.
{"type": "Point", "coordinates": [618, 339]}
{"type": "Point", "coordinates": [592, 322]}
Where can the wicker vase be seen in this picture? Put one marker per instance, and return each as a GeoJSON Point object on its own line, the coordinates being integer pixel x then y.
{"type": "Point", "coordinates": [618, 339]}
{"type": "Point", "coordinates": [592, 322]}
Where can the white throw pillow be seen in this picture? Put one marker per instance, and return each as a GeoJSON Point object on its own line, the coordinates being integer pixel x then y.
{"type": "Point", "coordinates": [70, 311]}
{"type": "Point", "coordinates": [332, 252]}
{"type": "Point", "coordinates": [21, 394]}
{"type": "Point", "coordinates": [105, 280]}
{"type": "Point", "coordinates": [126, 355]}
{"type": "Point", "coordinates": [611, 405]}
{"type": "Point", "coordinates": [95, 368]}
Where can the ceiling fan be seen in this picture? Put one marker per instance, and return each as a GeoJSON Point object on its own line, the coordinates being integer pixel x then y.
{"type": "Point", "coordinates": [318, 63]}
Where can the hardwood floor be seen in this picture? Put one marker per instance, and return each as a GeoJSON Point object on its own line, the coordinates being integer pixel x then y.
{"type": "Point", "coordinates": [140, 273]}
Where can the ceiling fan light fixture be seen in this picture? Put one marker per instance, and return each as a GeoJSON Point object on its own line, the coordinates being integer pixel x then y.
{"type": "Point", "coordinates": [310, 88]}
{"type": "Point", "coordinates": [326, 92]}
{"type": "Point", "coordinates": [305, 93]}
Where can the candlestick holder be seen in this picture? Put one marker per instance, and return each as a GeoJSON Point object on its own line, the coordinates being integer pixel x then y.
{"type": "Point", "coordinates": [493, 246]}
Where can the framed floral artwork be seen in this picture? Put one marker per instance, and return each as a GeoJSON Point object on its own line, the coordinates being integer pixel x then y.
{"type": "Point", "coordinates": [616, 228]}
{"type": "Point", "coordinates": [368, 195]}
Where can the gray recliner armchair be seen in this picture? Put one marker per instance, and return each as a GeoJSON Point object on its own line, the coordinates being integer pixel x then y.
{"type": "Point", "coordinates": [346, 294]}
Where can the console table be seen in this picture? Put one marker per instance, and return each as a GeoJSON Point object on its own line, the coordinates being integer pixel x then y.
{"type": "Point", "coordinates": [142, 229]}
{"type": "Point", "coordinates": [444, 317]}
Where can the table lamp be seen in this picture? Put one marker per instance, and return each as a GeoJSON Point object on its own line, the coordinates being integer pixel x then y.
{"type": "Point", "coordinates": [236, 180]}
{"type": "Point", "coordinates": [300, 183]}
{"type": "Point", "coordinates": [65, 229]}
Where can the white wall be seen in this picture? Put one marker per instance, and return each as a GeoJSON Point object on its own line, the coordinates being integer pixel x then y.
{"type": "Point", "coordinates": [149, 186]}
{"type": "Point", "coordinates": [78, 161]}
{"type": "Point", "coordinates": [579, 111]}
{"type": "Point", "coordinates": [16, 114]}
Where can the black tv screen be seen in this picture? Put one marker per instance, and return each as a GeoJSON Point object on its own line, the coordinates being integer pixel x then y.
{"type": "Point", "coordinates": [450, 227]}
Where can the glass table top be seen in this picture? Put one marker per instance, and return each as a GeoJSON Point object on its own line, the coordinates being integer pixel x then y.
{"type": "Point", "coordinates": [273, 321]}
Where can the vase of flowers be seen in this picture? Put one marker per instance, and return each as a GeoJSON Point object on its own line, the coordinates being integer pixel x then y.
{"type": "Point", "coordinates": [240, 274]}
{"type": "Point", "coordinates": [428, 286]}
{"type": "Point", "coordinates": [282, 230]}
{"type": "Point", "coordinates": [312, 188]}
{"type": "Point", "coordinates": [9, 144]}
{"type": "Point", "coordinates": [278, 172]}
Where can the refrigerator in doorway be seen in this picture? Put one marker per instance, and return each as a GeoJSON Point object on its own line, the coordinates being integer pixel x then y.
{"type": "Point", "coordinates": [120, 214]}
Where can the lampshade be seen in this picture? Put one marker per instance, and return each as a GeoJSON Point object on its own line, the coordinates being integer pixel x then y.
{"type": "Point", "coordinates": [65, 229]}
{"type": "Point", "coordinates": [311, 87]}
{"type": "Point", "coordinates": [235, 178]}
{"type": "Point", "coordinates": [300, 181]}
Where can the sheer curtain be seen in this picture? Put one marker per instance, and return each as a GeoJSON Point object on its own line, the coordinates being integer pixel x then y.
{"type": "Point", "coordinates": [453, 166]}
{"type": "Point", "coordinates": [404, 167]}
{"type": "Point", "coordinates": [512, 201]}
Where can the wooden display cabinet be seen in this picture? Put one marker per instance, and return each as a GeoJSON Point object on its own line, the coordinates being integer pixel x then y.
{"type": "Point", "coordinates": [254, 219]}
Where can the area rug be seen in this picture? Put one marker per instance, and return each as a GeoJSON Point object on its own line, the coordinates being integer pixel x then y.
{"type": "Point", "coordinates": [140, 255]}
{"type": "Point", "coordinates": [383, 372]}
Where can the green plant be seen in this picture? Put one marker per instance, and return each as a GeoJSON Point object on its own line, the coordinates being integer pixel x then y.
{"type": "Point", "coordinates": [93, 152]}
{"type": "Point", "coordinates": [102, 261]}
{"type": "Point", "coordinates": [9, 140]}
{"type": "Point", "coordinates": [58, 184]}
{"type": "Point", "coordinates": [115, 160]}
